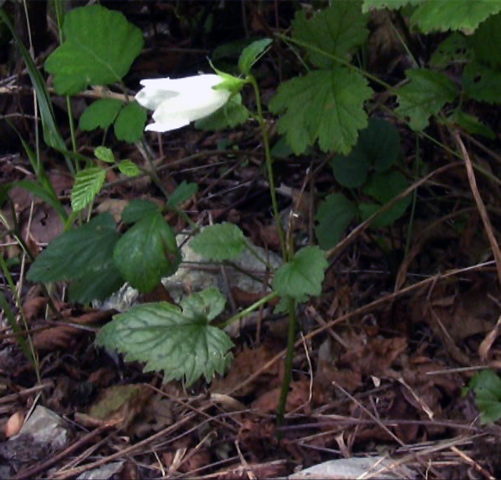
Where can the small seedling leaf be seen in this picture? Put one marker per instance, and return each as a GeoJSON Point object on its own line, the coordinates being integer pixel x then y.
{"type": "Point", "coordinates": [251, 54]}
{"type": "Point", "coordinates": [88, 184]}
{"type": "Point", "coordinates": [104, 154]}
{"type": "Point", "coordinates": [179, 341]}
{"type": "Point", "coordinates": [128, 168]}
{"type": "Point", "coordinates": [224, 241]}
{"type": "Point", "coordinates": [486, 386]}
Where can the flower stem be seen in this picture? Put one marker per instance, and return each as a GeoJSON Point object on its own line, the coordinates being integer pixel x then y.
{"type": "Point", "coordinates": [269, 167]}
{"type": "Point", "coordinates": [287, 254]}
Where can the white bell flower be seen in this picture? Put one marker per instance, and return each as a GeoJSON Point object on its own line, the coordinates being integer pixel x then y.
{"type": "Point", "coordinates": [177, 102]}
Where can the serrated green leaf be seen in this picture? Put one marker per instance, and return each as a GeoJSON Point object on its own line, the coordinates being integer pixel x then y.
{"type": "Point", "coordinates": [137, 209]}
{"type": "Point", "coordinates": [97, 284]}
{"type": "Point", "coordinates": [424, 96]}
{"type": "Point", "coordinates": [104, 154]}
{"type": "Point", "coordinates": [384, 187]}
{"type": "Point", "coordinates": [334, 214]}
{"type": "Point", "coordinates": [76, 252]}
{"type": "Point", "coordinates": [338, 30]}
{"type": "Point", "coordinates": [128, 168]}
{"type": "Point", "coordinates": [482, 83]}
{"type": "Point", "coordinates": [183, 192]}
{"type": "Point", "coordinates": [223, 241]}
{"type": "Point", "coordinates": [100, 114]}
{"type": "Point", "coordinates": [324, 105]}
{"type": "Point", "coordinates": [453, 50]}
{"type": "Point", "coordinates": [88, 184]}
{"type": "Point", "coordinates": [129, 125]}
{"type": "Point", "coordinates": [181, 343]}
{"type": "Point", "coordinates": [440, 15]}
{"type": "Point", "coordinates": [251, 54]}
{"type": "Point", "coordinates": [303, 275]}
{"type": "Point", "coordinates": [482, 41]}
{"type": "Point", "coordinates": [486, 386]}
{"type": "Point", "coordinates": [233, 113]}
{"type": "Point", "coordinates": [99, 48]}
{"type": "Point", "coordinates": [472, 125]}
{"type": "Point", "coordinates": [369, 5]}
{"type": "Point", "coordinates": [147, 252]}
{"type": "Point", "coordinates": [378, 147]}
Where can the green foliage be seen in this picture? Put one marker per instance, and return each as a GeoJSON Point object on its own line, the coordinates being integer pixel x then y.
{"type": "Point", "coordinates": [82, 255]}
{"type": "Point", "coordinates": [100, 114]}
{"type": "Point", "coordinates": [233, 113]}
{"type": "Point", "coordinates": [138, 209]}
{"type": "Point", "coordinates": [184, 191]}
{"type": "Point", "coordinates": [224, 241]}
{"type": "Point", "coordinates": [88, 183]}
{"type": "Point", "coordinates": [482, 83]}
{"type": "Point", "coordinates": [324, 105]}
{"type": "Point", "coordinates": [98, 49]}
{"type": "Point", "coordinates": [147, 252]}
{"type": "Point", "coordinates": [378, 148]}
{"type": "Point", "coordinates": [338, 30]}
{"type": "Point", "coordinates": [251, 54]}
{"type": "Point", "coordinates": [301, 276]}
{"type": "Point", "coordinates": [487, 35]}
{"type": "Point", "coordinates": [104, 154]}
{"type": "Point", "coordinates": [437, 15]}
{"type": "Point", "coordinates": [384, 187]}
{"type": "Point", "coordinates": [128, 168]}
{"type": "Point", "coordinates": [179, 341]}
{"type": "Point", "coordinates": [129, 125]}
{"type": "Point", "coordinates": [486, 386]}
{"type": "Point", "coordinates": [424, 96]}
{"type": "Point", "coordinates": [442, 15]}
{"type": "Point", "coordinates": [334, 214]}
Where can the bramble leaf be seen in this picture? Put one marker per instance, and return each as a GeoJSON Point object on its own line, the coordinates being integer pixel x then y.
{"type": "Point", "coordinates": [147, 252]}
{"type": "Point", "coordinates": [482, 83]}
{"type": "Point", "coordinates": [324, 105]}
{"type": "Point", "coordinates": [223, 241]}
{"type": "Point", "coordinates": [472, 124]}
{"type": "Point", "coordinates": [99, 48]}
{"type": "Point", "coordinates": [100, 114]}
{"type": "Point", "coordinates": [440, 15]}
{"type": "Point", "coordinates": [137, 209]}
{"type": "Point", "coordinates": [104, 154]}
{"type": "Point", "coordinates": [487, 35]}
{"type": "Point", "coordinates": [334, 214]}
{"type": "Point", "coordinates": [128, 168]}
{"type": "Point", "coordinates": [129, 125]}
{"type": "Point", "coordinates": [424, 96]}
{"type": "Point", "coordinates": [88, 184]}
{"type": "Point", "coordinates": [301, 276]}
{"type": "Point", "coordinates": [85, 256]}
{"type": "Point", "coordinates": [368, 5]}
{"type": "Point", "coordinates": [338, 30]}
{"type": "Point", "coordinates": [179, 341]}
{"type": "Point", "coordinates": [252, 53]}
